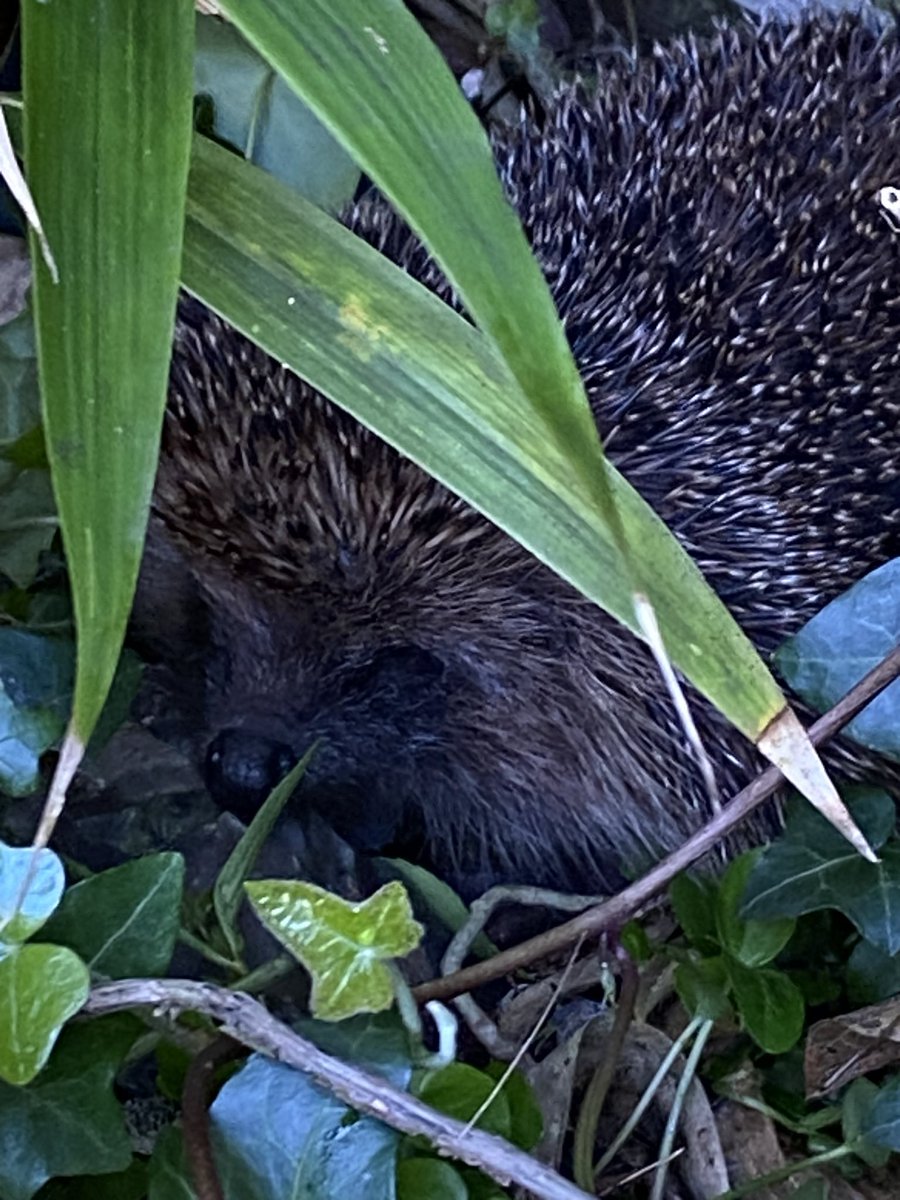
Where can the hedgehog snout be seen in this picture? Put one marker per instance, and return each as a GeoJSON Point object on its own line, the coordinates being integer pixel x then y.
{"type": "Point", "coordinates": [242, 768]}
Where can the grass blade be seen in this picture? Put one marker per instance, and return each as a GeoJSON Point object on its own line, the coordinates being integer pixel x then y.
{"type": "Point", "coordinates": [107, 86]}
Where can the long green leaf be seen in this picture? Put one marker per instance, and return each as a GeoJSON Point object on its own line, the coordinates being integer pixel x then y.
{"type": "Point", "coordinates": [108, 95]}
{"type": "Point", "coordinates": [364, 67]}
{"type": "Point", "coordinates": [430, 384]}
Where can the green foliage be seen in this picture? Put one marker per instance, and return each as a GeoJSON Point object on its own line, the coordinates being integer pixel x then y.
{"type": "Point", "coordinates": [31, 885]}
{"type": "Point", "coordinates": [729, 966]}
{"type": "Point", "coordinates": [460, 1091]}
{"type": "Point", "coordinates": [41, 986]}
{"type": "Point", "coordinates": [67, 1122]}
{"type": "Point", "coordinates": [37, 673]}
{"type": "Point", "coordinates": [437, 900]}
{"type": "Point", "coordinates": [253, 109]}
{"type": "Point", "coordinates": [840, 644]}
{"type": "Point", "coordinates": [418, 1177]}
{"type": "Point", "coordinates": [28, 522]}
{"type": "Point", "coordinates": [124, 921]}
{"type": "Point", "coordinates": [808, 868]}
{"type": "Point", "coordinates": [228, 892]}
{"type": "Point", "coordinates": [344, 946]}
{"type": "Point", "coordinates": [107, 165]}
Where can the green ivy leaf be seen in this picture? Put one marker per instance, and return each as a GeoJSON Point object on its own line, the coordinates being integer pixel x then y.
{"type": "Point", "coordinates": [871, 974]}
{"type": "Point", "coordinates": [36, 676]}
{"type": "Point", "coordinates": [431, 1177]}
{"type": "Point", "coordinates": [124, 921]}
{"type": "Point", "coordinates": [130, 1184]}
{"type": "Point", "coordinates": [526, 1120]}
{"type": "Point", "coordinates": [40, 988]}
{"type": "Point", "coordinates": [302, 1141]}
{"type": "Point", "coordinates": [31, 884]}
{"type": "Point", "coordinates": [770, 1005]}
{"type": "Point", "coordinates": [833, 651]}
{"type": "Point", "coordinates": [168, 1169]}
{"type": "Point", "coordinates": [20, 401]}
{"type": "Point", "coordinates": [810, 867]}
{"type": "Point", "coordinates": [438, 900]}
{"type": "Point", "coordinates": [703, 987]}
{"type": "Point", "coordinates": [342, 945]}
{"type": "Point", "coordinates": [460, 1090]}
{"type": "Point", "coordinates": [28, 523]}
{"type": "Point", "coordinates": [377, 1042]}
{"type": "Point", "coordinates": [752, 942]}
{"type": "Point", "coordinates": [68, 1121]}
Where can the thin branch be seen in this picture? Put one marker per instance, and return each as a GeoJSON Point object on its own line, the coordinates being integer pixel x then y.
{"type": "Point", "coordinates": [248, 1022]}
{"type": "Point", "coordinates": [613, 913]}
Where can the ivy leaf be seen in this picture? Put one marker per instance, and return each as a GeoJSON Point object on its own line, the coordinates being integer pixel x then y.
{"type": "Point", "coordinates": [342, 945]}
{"type": "Point", "coordinates": [770, 1005]}
{"type": "Point", "coordinates": [377, 1042]}
{"type": "Point", "coordinates": [437, 899]}
{"type": "Point", "coordinates": [20, 401]}
{"type": "Point", "coordinates": [460, 1090]}
{"type": "Point", "coordinates": [752, 942]}
{"type": "Point", "coordinates": [431, 1177]}
{"type": "Point", "coordinates": [871, 975]}
{"type": "Point", "coordinates": [810, 867]}
{"type": "Point", "coordinates": [68, 1121]}
{"type": "Point", "coordinates": [40, 988]}
{"type": "Point", "coordinates": [302, 1141]}
{"type": "Point", "coordinates": [834, 650]}
{"type": "Point", "coordinates": [31, 884]}
{"type": "Point", "coordinates": [36, 676]}
{"type": "Point", "coordinates": [124, 921]}
{"type": "Point", "coordinates": [130, 1184]}
{"type": "Point", "coordinates": [526, 1119]}
{"type": "Point", "coordinates": [28, 524]}
{"type": "Point", "coordinates": [169, 1179]}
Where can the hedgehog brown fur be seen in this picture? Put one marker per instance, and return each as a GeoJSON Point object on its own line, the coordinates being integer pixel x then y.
{"type": "Point", "coordinates": [732, 297]}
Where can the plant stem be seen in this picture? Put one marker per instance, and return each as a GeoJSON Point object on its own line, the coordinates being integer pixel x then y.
{"type": "Point", "coordinates": [785, 1172]}
{"type": "Point", "coordinates": [684, 1083]}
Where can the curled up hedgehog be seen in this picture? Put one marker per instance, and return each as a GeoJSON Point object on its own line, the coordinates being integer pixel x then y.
{"type": "Point", "coordinates": [731, 291]}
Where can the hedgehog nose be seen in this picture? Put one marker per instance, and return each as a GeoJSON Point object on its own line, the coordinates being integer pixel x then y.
{"type": "Point", "coordinates": [242, 768]}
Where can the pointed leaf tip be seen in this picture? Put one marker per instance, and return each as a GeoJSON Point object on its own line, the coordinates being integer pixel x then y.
{"type": "Point", "coordinates": [786, 743]}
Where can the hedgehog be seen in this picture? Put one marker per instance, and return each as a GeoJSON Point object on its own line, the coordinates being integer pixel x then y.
{"type": "Point", "coordinates": [731, 293]}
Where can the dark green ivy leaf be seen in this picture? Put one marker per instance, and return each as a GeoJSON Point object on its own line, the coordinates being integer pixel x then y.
{"type": "Point", "coordinates": [834, 650]}
{"type": "Point", "coordinates": [124, 921]}
{"type": "Point", "coordinates": [67, 1122]}
{"type": "Point", "coordinates": [811, 867]}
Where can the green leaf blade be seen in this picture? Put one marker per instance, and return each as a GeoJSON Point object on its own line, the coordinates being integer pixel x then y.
{"type": "Point", "coordinates": [365, 67]}
{"type": "Point", "coordinates": [107, 86]}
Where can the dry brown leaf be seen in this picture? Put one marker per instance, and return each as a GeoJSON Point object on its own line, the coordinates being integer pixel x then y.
{"type": "Point", "coordinates": [840, 1049]}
